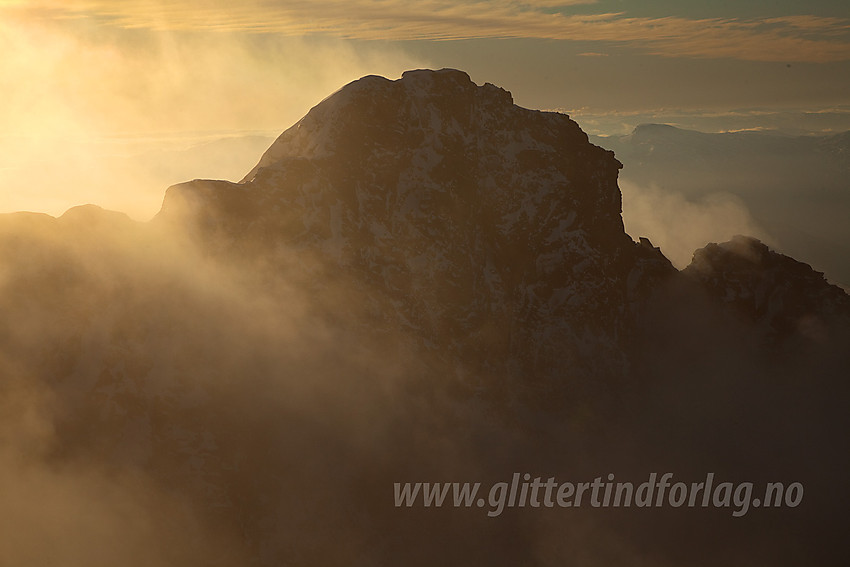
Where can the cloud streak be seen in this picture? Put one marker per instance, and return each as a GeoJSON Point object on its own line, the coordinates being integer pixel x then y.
{"type": "Point", "coordinates": [801, 38]}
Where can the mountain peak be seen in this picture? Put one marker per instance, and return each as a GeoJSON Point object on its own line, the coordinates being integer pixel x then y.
{"type": "Point", "coordinates": [434, 148]}
{"type": "Point", "coordinates": [430, 77]}
{"type": "Point", "coordinates": [468, 211]}
{"type": "Point", "coordinates": [384, 111]}
{"type": "Point", "coordinates": [430, 74]}
{"type": "Point", "coordinates": [420, 280]}
{"type": "Point", "coordinates": [766, 286]}
{"type": "Point", "coordinates": [91, 216]}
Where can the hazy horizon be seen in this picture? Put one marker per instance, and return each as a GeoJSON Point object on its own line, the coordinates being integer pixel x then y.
{"type": "Point", "coordinates": [81, 78]}
{"type": "Point", "coordinates": [51, 175]}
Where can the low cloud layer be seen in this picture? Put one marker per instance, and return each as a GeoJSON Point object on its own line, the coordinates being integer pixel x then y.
{"type": "Point", "coordinates": [95, 114]}
{"type": "Point", "coordinates": [167, 404]}
{"type": "Point", "coordinates": [679, 225]}
{"type": "Point", "coordinates": [791, 121]}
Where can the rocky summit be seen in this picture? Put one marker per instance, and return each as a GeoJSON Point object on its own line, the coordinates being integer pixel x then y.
{"type": "Point", "coordinates": [420, 281]}
{"type": "Point", "coordinates": [496, 230]}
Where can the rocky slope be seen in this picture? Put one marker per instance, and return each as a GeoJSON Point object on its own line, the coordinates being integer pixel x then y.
{"type": "Point", "coordinates": [495, 230]}
{"type": "Point", "coordinates": [419, 281]}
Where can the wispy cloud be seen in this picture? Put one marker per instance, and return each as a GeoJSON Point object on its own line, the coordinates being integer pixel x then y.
{"type": "Point", "coordinates": [802, 38]}
{"type": "Point", "coordinates": [71, 86]}
{"type": "Point", "coordinates": [813, 23]}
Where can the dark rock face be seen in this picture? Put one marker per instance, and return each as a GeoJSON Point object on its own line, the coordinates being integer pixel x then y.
{"type": "Point", "coordinates": [780, 294]}
{"type": "Point", "coordinates": [420, 281]}
{"type": "Point", "coordinates": [494, 228]}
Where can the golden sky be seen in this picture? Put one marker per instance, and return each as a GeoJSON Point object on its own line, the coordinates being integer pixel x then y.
{"type": "Point", "coordinates": [777, 36]}
{"type": "Point", "coordinates": [87, 82]}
